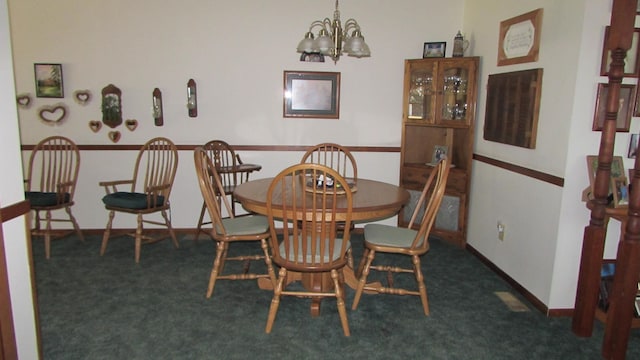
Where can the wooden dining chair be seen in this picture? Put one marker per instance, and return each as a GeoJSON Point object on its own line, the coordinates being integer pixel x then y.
{"type": "Point", "coordinates": [223, 157]}
{"type": "Point", "coordinates": [340, 159]}
{"type": "Point", "coordinates": [335, 156]}
{"type": "Point", "coordinates": [309, 243]}
{"type": "Point", "coordinates": [51, 183]}
{"type": "Point", "coordinates": [148, 192]}
{"type": "Point", "coordinates": [379, 238]}
{"type": "Point", "coordinates": [230, 229]}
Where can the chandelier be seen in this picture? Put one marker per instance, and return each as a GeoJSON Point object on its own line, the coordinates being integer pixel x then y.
{"type": "Point", "coordinates": [333, 40]}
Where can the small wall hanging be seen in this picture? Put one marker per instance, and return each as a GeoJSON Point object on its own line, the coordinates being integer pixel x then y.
{"type": "Point", "coordinates": [131, 124]}
{"type": "Point", "coordinates": [114, 136]}
{"type": "Point", "coordinates": [192, 98]}
{"type": "Point", "coordinates": [95, 125]}
{"type": "Point", "coordinates": [82, 97]}
{"type": "Point", "coordinates": [519, 40]}
{"type": "Point", "coordinates": [157, 107]}
{"type": "Point", "coordinates": [111, 106]}
{"type": "Point", "coordinates": [24, 100]}
{"type": "Point", "coordinates": [49, 80]}
{"type": "Point", "coordinates": [53, 115]}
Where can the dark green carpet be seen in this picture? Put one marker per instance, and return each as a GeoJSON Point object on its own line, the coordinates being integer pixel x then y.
{"type": "Point", "coordinates": [108, 307]}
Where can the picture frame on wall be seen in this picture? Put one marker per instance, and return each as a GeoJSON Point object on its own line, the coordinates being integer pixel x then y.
{"type": "Point", "coordinates": [519, 40]}
{"type": "Point", "coordinates": [625, 111]}
{"type": "Point", "coordinates": [434, 49]}
{"type": "Point", "coordinates": [631, 63]}
{"type": "Point", "coordinates": [633, 146]}
{"type": "Point", "coordinates": [49, 81]}
{"type": "Point", "coordinates": [311, 95]}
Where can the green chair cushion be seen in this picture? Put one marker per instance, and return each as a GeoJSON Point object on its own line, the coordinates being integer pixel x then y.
{"type": "Point", "coordinates": [336, 252]}
{"type": "Point", "coordinates": [246, 225]}
{"type": "Point", "coordinates": [386, 235]}
{"type": "Point", "coordinates": [39, 198]}
{"type": "Point", "coordinates": [130, 200]}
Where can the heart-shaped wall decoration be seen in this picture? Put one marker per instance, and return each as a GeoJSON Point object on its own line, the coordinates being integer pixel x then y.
{"type": "Point", "coordinates": [24, 100]}
{"type": "Point", "coordinates": [82, 97]}
{"type": "Point", "coordinates": [114, 136]}
{"type": "Point", "coordinates": [53, 114]}
{"type": "Point", "coordinates": [95, 126]}
{"type": "Point", "coordinates": [131, 124]}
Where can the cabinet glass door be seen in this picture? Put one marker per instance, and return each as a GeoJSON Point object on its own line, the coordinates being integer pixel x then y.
{"type": "Point", "coordinates": [420, 105]}
{"type": "Point", "coordinates": [455, 102]}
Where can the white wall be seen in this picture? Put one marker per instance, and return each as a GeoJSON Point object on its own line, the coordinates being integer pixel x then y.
{"type": "Point", "coordinates": [12, 191]}
{"type": "Point", "coordinates": [237, 52]}
{"type": "Point", "coordinates": [544, 222]}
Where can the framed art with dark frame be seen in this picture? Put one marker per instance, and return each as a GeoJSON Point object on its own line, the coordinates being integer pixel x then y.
{"type": "Point", "coordinates": [434, 49]}
{"type": "Point", "coordinates": [311, 94]}
{"type": "Point", "coordinates": [631, 63]}
{"type": "Point", "coordinates": [48, 80]}
{"type": "Point", "coordinates": [627, 96]}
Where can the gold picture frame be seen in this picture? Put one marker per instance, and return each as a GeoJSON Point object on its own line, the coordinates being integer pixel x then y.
{"type": "Point", "coordinates": [519, 40]}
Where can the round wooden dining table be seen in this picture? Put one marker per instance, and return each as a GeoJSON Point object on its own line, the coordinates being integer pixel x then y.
{"type": "Point", "coordinates": [372, 200]}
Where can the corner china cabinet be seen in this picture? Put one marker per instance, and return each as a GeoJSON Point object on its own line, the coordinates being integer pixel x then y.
{"type": "Point", "coordinates": [439, 105]}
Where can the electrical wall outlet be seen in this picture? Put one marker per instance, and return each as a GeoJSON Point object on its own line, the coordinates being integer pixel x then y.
{"type": "Point", "coordinates": [501, 230]}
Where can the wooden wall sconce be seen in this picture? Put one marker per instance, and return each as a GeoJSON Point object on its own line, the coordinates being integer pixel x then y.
{"type": "Point", "coordinates": [157, 107]}
{"type": "Point", "coordinates": [192, 98]}
{"type": "Point", "coordinates": [111, 106]}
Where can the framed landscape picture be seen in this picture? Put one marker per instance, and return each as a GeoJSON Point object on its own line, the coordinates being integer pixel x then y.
{"type": "Point", "coordinates": [49, 80]}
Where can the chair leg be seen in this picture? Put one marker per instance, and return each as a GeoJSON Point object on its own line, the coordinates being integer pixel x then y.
{"type": "Point", "coordinates": [422, 288]}
{"type": "Point", "coordinates": [200, 221]}
{"type": "Point", "coordinates": [217, 266]}
{"type": "Point", "coordinates": [107, 232]}
{"type": "Point", "coordinates": [267, 260]}
{"type": "Point", "coordinates": [275, 302]}
{"type": "Point", "coordinates": [358, 272]}
{"type": "Point", "coordinates": [342, 311]}
{"type": "Point", "coordinates": [171, 232]}
{"type": "Point", "coordinates": [75, 223]}
{"type": "Point", "coordinates": [47, 236]}
{"type": "Point", "coordinates": [138, 245]}
{"type": "Point", "coordinates": [363, 278]}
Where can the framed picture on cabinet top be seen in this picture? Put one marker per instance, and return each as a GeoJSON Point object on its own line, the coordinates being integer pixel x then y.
{"type": "Point", "coordinates": [49, 80]}
{"type": "Point", "coordinates": [625, 108]}
{"type": "Point", "coordinates": [631, 63]}
{"type": "Point", "coordinates": [434, 49]}
{"type": "Point", "coordinates": [311, 94]}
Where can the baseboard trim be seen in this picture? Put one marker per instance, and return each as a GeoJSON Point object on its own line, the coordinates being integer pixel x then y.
{"type": "Point", "coordinates": [519, 288]}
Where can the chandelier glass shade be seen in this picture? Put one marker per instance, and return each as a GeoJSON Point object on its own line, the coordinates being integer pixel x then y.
{"type": "Point", "coordinates": [333, 40]}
